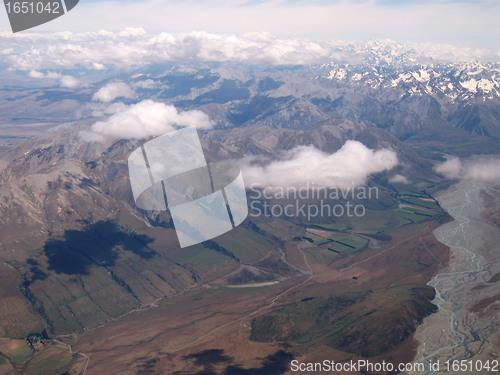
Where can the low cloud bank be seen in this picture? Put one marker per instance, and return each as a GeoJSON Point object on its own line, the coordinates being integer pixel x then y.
{"type": "Point", "coordinates": [348, 167]}
{"type": "Point", "coordinates": [134, 47]}
{"type": "Point", "coordinates": [112, 91]}
{"type": "Point", "coordinates": [485, 169]}
{"type": "Point", "coordinates": [145, 119]}
{"type": "Point", "coordinates": [64, 80]}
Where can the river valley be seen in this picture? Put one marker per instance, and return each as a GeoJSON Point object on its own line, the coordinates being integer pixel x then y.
{"type": "Point", "coordinates": [467, 325]}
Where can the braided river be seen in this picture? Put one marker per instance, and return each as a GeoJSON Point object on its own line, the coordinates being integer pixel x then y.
{"type": "Point", "coordinates": [467, 324]}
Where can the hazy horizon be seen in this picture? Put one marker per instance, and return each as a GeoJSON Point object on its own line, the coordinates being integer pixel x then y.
{"type": "Point", "coordinates": [457, 22]}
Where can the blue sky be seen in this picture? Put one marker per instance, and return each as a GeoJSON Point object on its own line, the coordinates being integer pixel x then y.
{"type": "Point", "coordinates": [458, 22]}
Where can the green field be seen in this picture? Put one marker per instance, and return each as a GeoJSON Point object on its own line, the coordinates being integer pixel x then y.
{"type": "Point", "coordinates": [334, 227]}
{"type": "Point", "coordinates": [345, 242]}
{"type": "Point", "coordinates": [345, 235]}
{"type": "Point", "coordinates": [54, 359]}
{"type": "Point", "coordinates": [418, 190]}
{"type": "Point", "coordinates": [378, 221]}
{"type": "Point", "coordinates": [19, 352]}
{"type": "Point", "coordinates": [432, 205]}
{"type": "Point", "coordinates": [415, 215]}
{"type": "Point", "coordinates": [342, 242]}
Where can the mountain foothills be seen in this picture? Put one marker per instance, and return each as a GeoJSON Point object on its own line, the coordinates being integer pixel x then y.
{"type": "Point", "coordinates": [91, 284]}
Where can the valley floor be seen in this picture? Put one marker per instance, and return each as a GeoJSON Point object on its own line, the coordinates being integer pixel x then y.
{"type": "Point", "coordinates": [467, 324]}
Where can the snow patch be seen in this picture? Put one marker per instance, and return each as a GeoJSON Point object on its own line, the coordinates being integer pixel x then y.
{"type": "Point", "coordinates": [470, 85]}
{"type": "Point", "coordinates": [356, 77]}
{"type": "Point", "coordinates": [485, 85]}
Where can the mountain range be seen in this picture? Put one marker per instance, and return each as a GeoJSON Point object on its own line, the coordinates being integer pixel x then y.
{"type": "Point", "coordinates": [78, 254]}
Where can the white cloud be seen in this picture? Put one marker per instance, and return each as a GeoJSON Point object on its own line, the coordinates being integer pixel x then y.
{"type": "Point", "coordinates": [112, 91]}
{"type": "Point", "coordinates": [398, 179]}
{"type": "Point", "coordinates": [35, 74]}
{"type": "Point", "coordinates": [350, 166]}
{"type": "Point", "coordinates": [104, 49]}
{"type": "Point", "coordinates": [451, 168]}
{"type": "Point", "coordinates": [64, 80]}
{"type": "Point", "coordinates": [484, 170]}
{"type": "Point", "coordinates": [90, 136]}
{"type": "Point", "coordinates": [145, 119]}
{"type": "Point", "coordinates": [98, 66]}
{"type": "Point", "coordinates": [40, 75]}
{"type": "Point", "coordinates": [477, 168]}
{"type": "Point", "coordinates": [70, 82]}
{"type": "Point", "coordinates": [146, 84]}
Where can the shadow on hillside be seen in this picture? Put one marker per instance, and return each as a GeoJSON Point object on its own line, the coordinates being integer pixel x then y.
{"type": "Point", "coordinates": [97, 245]}
{"type": "Point", "coordinates": [276, 364]}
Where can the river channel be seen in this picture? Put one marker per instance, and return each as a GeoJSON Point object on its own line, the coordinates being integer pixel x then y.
{"type": "Point", "coordinates": [467, 324]}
